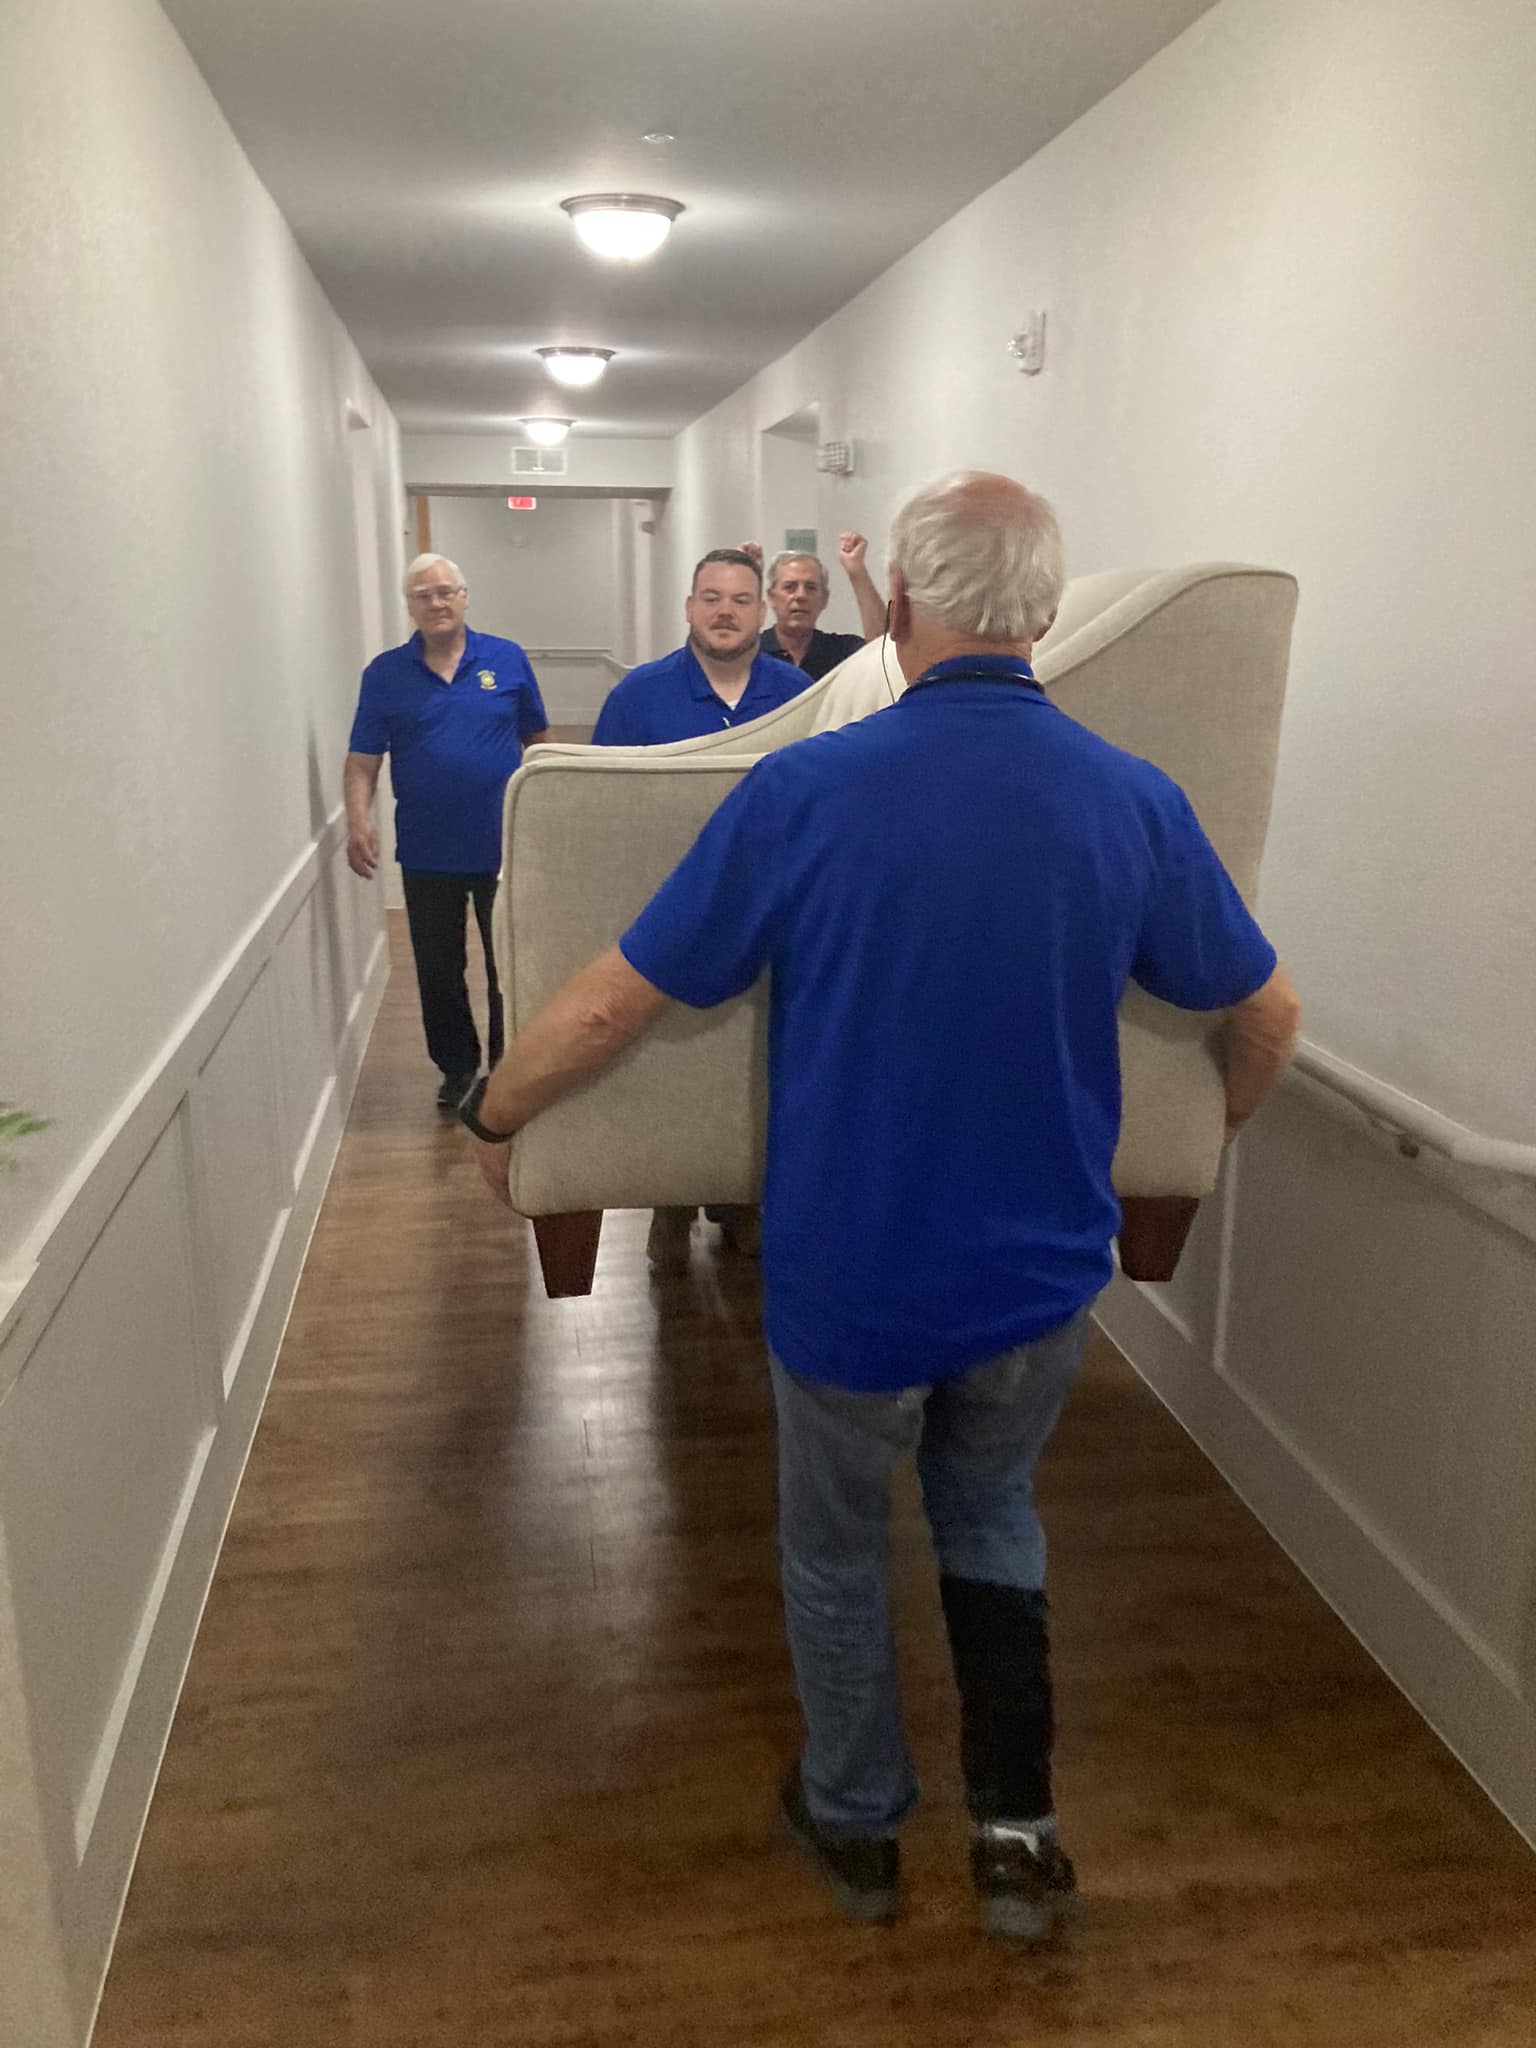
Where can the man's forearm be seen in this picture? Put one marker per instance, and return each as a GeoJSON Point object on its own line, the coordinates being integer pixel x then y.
{"type": "Point", "coordinates": [1260, 1039]}
{"type": "Point", "coordinates": [583, 1026]}
{"type": "Point", "coordinates": [870, 603]}
{"type": "Point", "coordinates": [359, 781]}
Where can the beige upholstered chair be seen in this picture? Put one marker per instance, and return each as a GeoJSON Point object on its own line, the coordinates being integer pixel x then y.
{"type": "Point", "coordinates": [1186, 667]}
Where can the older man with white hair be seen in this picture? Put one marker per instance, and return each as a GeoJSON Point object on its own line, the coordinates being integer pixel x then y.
{"type": "Point", "coordinates": [950, 896]}
{"type": "Point", "coordinates": [454, 710]}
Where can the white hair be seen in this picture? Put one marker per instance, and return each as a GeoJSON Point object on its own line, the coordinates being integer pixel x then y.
{"type": "Point", "coordinates": [428, 561]}
{"type": "Point", "coordinates": [980, 554]}
{"type": "Point", "coordinates": [795, 555]}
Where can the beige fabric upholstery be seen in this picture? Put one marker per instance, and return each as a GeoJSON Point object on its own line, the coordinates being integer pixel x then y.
{"type": "Point", "coordinates": [1186, 667]}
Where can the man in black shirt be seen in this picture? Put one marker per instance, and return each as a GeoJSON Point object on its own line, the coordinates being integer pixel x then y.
{"type": "Point", "coordinates": [797, 590]}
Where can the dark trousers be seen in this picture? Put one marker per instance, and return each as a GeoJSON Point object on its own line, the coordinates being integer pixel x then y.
{"type": "Point", "coordinates": [435, 908]}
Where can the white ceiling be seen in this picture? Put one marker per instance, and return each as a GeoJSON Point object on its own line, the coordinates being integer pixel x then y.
{"type": "Point", "coordinates": [421, 154]}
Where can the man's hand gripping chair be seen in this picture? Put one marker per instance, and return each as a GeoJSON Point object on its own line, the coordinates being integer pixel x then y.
{"type": "Point", "coordinates": [1186, 667]}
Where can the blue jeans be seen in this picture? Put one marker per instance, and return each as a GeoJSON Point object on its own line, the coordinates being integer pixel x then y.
{"type": "Point", "coordinates": [977, 1439]}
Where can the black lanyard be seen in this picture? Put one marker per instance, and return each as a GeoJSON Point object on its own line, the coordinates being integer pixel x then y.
{"type": "Point", "coordinates": [979, 668]}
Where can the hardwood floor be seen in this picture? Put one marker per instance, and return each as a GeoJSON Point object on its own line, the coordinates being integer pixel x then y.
{"type": "Point", "coordinates": [482, 1734]}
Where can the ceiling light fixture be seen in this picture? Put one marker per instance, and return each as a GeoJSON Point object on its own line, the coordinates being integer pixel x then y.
{"type": "Point", "coordinates": [576, 366]}
{"type": "Point", "coordinates": [623, 226]}
{"type": "Point", "coordinates": [545, 432]}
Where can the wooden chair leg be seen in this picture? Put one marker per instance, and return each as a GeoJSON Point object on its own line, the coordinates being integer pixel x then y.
{"type": "Point", "coordinates": [1153, 1230]}
{"type": "Point", "coordinates": [568, 1251]}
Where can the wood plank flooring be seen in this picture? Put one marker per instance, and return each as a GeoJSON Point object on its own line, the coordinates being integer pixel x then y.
{"type": "Point", "coordinates": [482, 1733]}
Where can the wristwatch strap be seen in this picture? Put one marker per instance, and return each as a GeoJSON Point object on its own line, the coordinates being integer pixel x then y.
{"type": "Point", "coordinates": [469, 1115]}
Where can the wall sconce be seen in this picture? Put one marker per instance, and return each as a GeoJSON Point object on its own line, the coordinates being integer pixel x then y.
{"type": "Point", "coordinates": [1028, 346]}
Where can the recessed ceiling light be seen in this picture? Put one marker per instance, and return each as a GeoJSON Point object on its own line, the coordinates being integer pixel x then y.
{"type": "Point", "coordinates": [576, 366]}
{"type": "Point", "coordinates": [657, 136]}
{"type": "Point", "coordinates": [623, 226]}
{"type": "Point", "coordinates": [545, 432]}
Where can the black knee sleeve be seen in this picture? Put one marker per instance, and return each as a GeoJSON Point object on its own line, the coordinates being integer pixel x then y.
{"type": "Point", "coordinates": [1001, 1650]}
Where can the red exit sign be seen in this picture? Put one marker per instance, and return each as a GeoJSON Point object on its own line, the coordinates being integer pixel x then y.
{"type": "Point", "coordinates": [522, 504]}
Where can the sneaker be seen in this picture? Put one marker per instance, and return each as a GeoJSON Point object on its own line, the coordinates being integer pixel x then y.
{"type": "Point", "coordinates": [453, 1091]}
{"type": "Point", "coordinates": [670, 1243]}
{"type": "Point", "coordinates": [864, 1874]}
{"type": "Point", "coordinates": [1026, 1882]}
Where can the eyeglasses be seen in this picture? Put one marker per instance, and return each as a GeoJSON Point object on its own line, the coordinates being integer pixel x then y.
{"type": "Point", "coordinates": [438, 594]}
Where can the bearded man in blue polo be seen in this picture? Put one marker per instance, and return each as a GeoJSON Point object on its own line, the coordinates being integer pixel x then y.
{"type": "Point", "coordinates": [950, 898]}
{"type": "Point", "coordinates": [454, 710]}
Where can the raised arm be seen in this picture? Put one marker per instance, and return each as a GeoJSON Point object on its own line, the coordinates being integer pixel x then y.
{"type": "Point", "coordinates": [852, 548]}
{"type": "Point", "coordinates": [359, 782]}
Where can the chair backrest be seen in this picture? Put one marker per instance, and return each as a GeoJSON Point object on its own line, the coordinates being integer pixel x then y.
{"type": "Point", "coordinates": [1186, 667]}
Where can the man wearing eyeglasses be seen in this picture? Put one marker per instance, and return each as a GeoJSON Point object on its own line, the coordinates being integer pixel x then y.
{"type": "Point", "coordinates": [454, 710]}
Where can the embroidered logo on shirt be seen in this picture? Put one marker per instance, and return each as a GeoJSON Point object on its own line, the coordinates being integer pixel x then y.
{"type": "Point", "coordinates": [487, 679]}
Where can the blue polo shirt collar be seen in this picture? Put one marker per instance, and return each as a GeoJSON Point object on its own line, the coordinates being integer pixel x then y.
{"type": "Point", "coordinates": [699, 684]}
{"type": "Point", "coordinates": [473, 642]}
{"type": "Point", "coordinates": [979, 668]}
{"type": "Point", "coordinates": [700, 687]}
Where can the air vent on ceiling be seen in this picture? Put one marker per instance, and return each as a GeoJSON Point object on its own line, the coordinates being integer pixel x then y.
{"type": "Point", "coordinates": [539, 461]}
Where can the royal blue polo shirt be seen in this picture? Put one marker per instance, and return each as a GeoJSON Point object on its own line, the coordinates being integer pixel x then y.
{"type": "Point", "coordinates": [673, 699]}
{"type": "Point", "coordinates": [451, 747]}
{"type": "Point", "coordinates": [950, 897]}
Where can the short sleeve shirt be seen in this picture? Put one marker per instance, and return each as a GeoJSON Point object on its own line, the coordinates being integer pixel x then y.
{"type": "Point", "coordinates": [950, 897]}
{"type": "Point", "coordinates": [673, 699]}
{"type": "Point", "coordinates": [451, 746]}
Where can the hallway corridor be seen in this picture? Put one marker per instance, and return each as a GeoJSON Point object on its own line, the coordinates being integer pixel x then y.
{"type": "Point", "coordinates": [483, 1728]}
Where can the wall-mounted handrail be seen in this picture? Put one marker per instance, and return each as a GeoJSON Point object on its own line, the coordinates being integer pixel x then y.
{"type": "Point", "coordinates": [603, 655]}
{"type": "Point", "coordinates": [1413, 1119]}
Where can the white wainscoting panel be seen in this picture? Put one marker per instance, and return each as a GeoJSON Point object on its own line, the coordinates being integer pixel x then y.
{"type": "Point", "coordinates": [1403, 1372]}
{"type": "Point", "coordinates": [1353, 1342]}
{"type": "Point", "coordinates": [34, 1981]}
{"type": "Point", "coordinates": [97, 1439]}
{"type": "Point", "coordinates": [239, 1179]}
{"type": "Point", "coordinates": [135, 1355]}
{"type": "Point", "coordinates": [300, 970]}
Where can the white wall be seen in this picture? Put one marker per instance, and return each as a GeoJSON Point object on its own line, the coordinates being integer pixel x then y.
{"type": "Point", "coordinates": [789, 480]}
{"type": "Point", "coordinates": [621, 542]}
{"type": "Point", "coordinates": [789, 488]}
{"type": "Point", "coordinates": [442, 462]}
{"type": "Point", "coordinates": [1290, 284]}
{"type": "Point", "coordinates": [200, 551]}
{"type": "Point", "coordinates": [543, 578]}
{"type": "Point", "coordinates": [548, 579]}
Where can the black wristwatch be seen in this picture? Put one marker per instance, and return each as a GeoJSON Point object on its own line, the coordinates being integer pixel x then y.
{"type": "Point", "coordinates": [469, 1118]}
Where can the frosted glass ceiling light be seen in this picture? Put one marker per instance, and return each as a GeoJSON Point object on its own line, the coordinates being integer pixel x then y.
{"type": "Point", "coordinates": [576, 366]}
{"type": "Point", "coordinates": [623, 226]}
{"type": "Point", "coordinates": [545, 432]}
